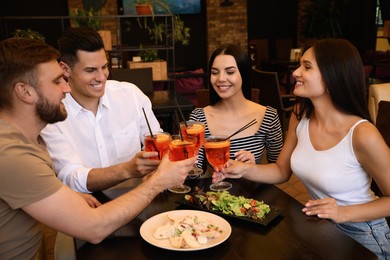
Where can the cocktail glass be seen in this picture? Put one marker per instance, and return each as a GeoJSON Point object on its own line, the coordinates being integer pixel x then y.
{"type": "Point", "coordinates": [182, 148]}
{"type": "Point", "coordinates": [159, 142]}
{"type": "Point", "coordinates": [217, 150]}
{"type": "Point", "coordinates": [194, 129]}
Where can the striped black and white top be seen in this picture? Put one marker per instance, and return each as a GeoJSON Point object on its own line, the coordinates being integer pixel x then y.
{"type": "Point", "coordinates": [269, 137]}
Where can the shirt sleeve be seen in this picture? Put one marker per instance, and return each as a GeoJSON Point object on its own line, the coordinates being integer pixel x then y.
{"type": "Point", "coordinates": [68, 164]}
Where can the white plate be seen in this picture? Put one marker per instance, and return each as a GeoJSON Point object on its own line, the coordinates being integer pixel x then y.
{"type": "Point", "coordinates": [149, 226]}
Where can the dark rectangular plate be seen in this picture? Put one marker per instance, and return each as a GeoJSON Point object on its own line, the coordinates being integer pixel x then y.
{"type": "Point", "coordinates": [264, 221]}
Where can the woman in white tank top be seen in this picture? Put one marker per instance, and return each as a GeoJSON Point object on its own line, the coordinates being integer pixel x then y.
{"type": "Point", "coordinates": [333, 147]}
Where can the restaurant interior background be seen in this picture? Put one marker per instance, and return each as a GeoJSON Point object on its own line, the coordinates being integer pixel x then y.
{"type": "Point", "coordinates": [281, 23]}
{"type": "Point", "coordinates": [217, 24]}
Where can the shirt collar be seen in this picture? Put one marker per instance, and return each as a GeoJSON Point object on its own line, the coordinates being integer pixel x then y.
{"type": "Point", "coordinates": [73, 107]}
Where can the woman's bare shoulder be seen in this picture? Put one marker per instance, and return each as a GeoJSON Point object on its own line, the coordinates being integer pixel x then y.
{"type": "Point", "coordinates": [256, 106]}
{"type": "Point", "coordinates": [366, 133]}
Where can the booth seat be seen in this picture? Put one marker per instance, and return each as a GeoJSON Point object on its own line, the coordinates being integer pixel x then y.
{"type": "Point", "coordinates": [188, 82]}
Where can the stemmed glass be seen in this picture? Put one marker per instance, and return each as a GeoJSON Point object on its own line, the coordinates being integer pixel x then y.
{"type": "Point", "coordinates": [194, 129]}
{"type": "Point", "coordinates": [158, 142]}
{"type": "Point", "coordinates": [180, 149]}
{"type": "Point", "coordinates": [217, 150]}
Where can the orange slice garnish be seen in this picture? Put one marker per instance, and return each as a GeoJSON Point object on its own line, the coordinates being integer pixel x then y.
{"type": "Point", "coordinates": [221, 144]}
{"type": "Point", "coordinates": [162, 138]}
{"type": "Point", "coordinates": [194, 129]}
{"type": "Point", "coordinates": [181, 143]}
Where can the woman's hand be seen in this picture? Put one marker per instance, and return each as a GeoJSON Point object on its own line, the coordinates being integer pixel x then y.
{"type": "Point", "coordinates": [245, 156]}
{"type": "Point", "coordinates": [232, 169]}
{"type": "Point", "coordinates": [325, 208]}
{"type": "Point", "coordinates": [217, 177]}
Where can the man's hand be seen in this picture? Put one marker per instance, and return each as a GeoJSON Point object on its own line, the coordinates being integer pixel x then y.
{"type": "Point", "coordinates": [170, 174]}
{"type": "Point", "coordinates": [140, 165]}
{"type": "Point", "coordinates": [91, 200]}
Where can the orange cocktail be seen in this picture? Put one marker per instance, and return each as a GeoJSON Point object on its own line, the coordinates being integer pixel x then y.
{"type": "Point", "coordinates": [182, 149]}
{"type": "Point", "coordinates": [195, 129]}
{"type": "Point", "coordinates": [159, 142]}
{"type": "Point", "coordinates": [217, 150]}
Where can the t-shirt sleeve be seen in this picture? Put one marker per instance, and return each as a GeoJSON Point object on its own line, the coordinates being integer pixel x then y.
{"type": "Point", "coordinates": [26, 175]}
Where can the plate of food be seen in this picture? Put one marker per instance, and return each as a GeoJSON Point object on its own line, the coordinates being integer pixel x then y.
{"type": "Point", "coordinates": [237, 207]}
{"type": "Point", "coordinates": [185, 230]}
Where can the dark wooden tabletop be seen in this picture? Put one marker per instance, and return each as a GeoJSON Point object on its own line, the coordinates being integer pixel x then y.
{"type": "Point", "coordinates": [292, 235]}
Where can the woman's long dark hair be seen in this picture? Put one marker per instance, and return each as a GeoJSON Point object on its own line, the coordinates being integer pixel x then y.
{"type": "Point", "coordinates": [342, 72]}
{"type": "Point", "coordinates": [243, 64]}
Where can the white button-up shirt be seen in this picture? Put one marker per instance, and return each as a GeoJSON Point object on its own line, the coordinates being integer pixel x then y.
{"type": "Point", "coordinates": [85, 141]}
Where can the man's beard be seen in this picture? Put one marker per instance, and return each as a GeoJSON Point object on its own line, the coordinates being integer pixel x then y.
{"type": "Point", "coordinates": [49, 112]}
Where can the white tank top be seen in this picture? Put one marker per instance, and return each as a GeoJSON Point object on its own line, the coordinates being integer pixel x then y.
{"type": "Point", "coordinates": [332, 173]}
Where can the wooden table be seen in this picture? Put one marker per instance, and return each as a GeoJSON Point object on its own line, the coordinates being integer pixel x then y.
{"type": "Point", "coordinates": [292, 235]}
{"type": "Point", "coordinates": [164, 104]}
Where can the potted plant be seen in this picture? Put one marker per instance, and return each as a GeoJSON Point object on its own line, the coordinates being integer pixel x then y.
{"type": "Point", "coordinates": [27, 34]}
{"type": "Point", "coordinates": [91, 18]}
{"type": "Point", "coordinates": [149, 59]}
{"type": "Point", "coordinates": [148, 55]}
{"type": "Point", "coordinates": [85, 18]}
{"type": "Point", "coordinates": [325, 18]}
{"type": "Point", "coordinates": [181, 32]}
{"type": "Point", "coordinates": [143, 7]}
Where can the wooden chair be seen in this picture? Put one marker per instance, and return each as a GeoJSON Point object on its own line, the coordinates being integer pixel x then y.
{"type": "Point", "coordinates": [203, 96]}
{"type": "Point", "coordinates": [268, 84]}
{"type": "Point", "coordinates": [258, 50]}
{"type": "Point", "coordinates": [142, 78]}
{"type": "Point", "coordinates": [283, 47]}
{"type": "Point", "coordinates": [376, 93]}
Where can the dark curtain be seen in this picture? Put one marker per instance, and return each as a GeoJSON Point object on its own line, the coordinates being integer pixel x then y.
{"type": "Point", "coordinates": [360, 26]}
{"type": "Point", "coordinates": [385, 8]}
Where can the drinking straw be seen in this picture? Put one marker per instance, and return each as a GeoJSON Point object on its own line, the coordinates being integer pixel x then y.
{"type": "Point", "coordinates": [178, 123]}
{"type": "Point", "coordinates": [254, 121]}
{"type": "Point", "coordinates": [181, 136]}
{"type": "Point", "coordinates": [147, 122]}
{"type": "Point", "coordinates": [151, 134]}
{"type": "Point", "coordinates": [181, 113]}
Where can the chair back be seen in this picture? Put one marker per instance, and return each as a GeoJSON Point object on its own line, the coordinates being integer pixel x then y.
{"type": "Point", "coordinates": [258, 50]}
{"type": "Point", "coordinates": [142, 78]}
{"type": "Point", "coordinates": [283, 47]}
{"type": "Point", "coordinates": [376, 93]}
{"type": "Point", "coordinates": [203, 96]}
{"type": "Point", "coordinates": [268, 84]}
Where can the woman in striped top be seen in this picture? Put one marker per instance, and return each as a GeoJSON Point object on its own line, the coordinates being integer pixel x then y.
{"type": "Point", "coordinates": [231, 108]}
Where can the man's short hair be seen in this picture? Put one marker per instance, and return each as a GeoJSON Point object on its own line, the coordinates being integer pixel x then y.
{"type": "Point", "coordinates": [19, 58]}
{"type": "Point", "coordinates": [75, 39]}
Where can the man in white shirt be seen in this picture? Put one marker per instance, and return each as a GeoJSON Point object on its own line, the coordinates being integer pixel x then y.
{"type": "Point", "coordinates": [99, 145]}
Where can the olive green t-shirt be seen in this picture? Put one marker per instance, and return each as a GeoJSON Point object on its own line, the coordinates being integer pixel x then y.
{"type": "Point", "coordinates": [26, 176]}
